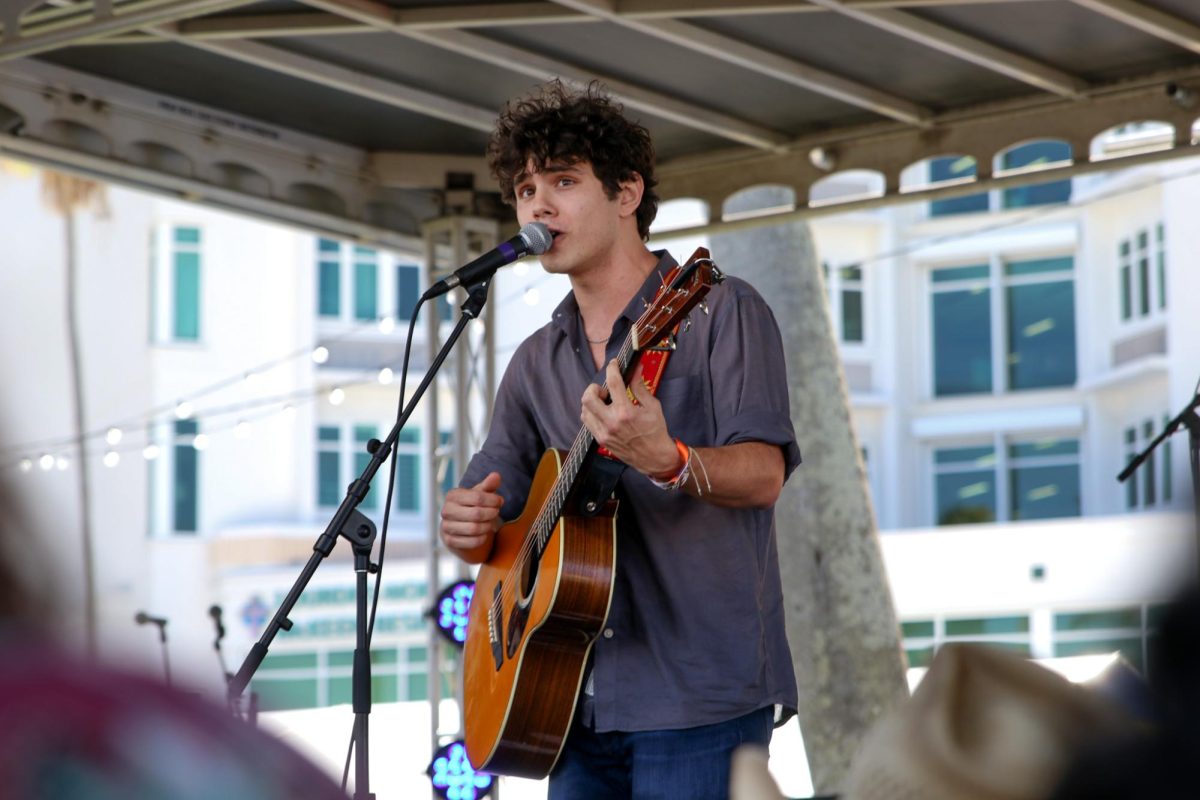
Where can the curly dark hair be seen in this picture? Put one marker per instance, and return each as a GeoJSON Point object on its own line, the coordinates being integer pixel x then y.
{"type": "Point", "coordinates": [556, 125]}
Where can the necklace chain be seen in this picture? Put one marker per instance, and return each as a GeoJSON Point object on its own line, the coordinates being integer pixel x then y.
{"type": "Point", "coordinates": [597, 341]}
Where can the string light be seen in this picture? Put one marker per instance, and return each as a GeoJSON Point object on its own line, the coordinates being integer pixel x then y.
{"type": "Point", "coordinates": [520, 268]}
{"type": "Point", "coordinates": [184, 409]}
{"type": "Point", "coordinates": [288, 412]}
{"type": "Point", "coordinates": [112, 458]}
{"type": "Point", "coordinates": [387, 324]}
{"type": "Point", "coordinates": [113, 436]}
{"type": "Point", "coordinates": [46, 462]}
{"type": "Point", "coordinates": [62, 462]}
{"type": "Point", "coordinates": [386, 375]}
{"type": "Point", "coordinates": [200, 441]}
{"type": "Point", "coordinates": [150, 452]}
{"type": "Point", "coordinates": [320, 354]}
{"type": "Point", "coordinates": [336, 396]}
{"type": "Point", "coordinates": [254, 381]}
{"type": "Point", "coordinates": [26, 464]}
{"type": "Point", "coordinates": [243, 429]}
{"type": "Point", "coordinates": [532, 296]}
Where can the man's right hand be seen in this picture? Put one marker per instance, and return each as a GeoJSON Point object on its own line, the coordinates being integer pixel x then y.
{"type": "Point", "coordinates": [470, 519]}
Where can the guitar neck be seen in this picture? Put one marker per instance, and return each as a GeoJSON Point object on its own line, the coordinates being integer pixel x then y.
{"type": "Point", "coordinates": [572, 466]}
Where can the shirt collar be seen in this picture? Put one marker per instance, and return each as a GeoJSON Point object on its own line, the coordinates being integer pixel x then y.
{"type": "Point", "coordinates": [567, 311]}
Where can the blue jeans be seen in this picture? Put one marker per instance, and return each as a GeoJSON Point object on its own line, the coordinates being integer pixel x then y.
{"type": "Point", "coordinates": [648, 765]}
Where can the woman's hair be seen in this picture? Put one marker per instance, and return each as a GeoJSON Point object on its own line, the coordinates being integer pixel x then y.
{"type": "Point", "coordinates": [557, 125]}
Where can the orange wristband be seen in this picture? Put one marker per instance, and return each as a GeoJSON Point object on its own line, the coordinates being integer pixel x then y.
{"type": "Point", "coordinates": [683, 461]}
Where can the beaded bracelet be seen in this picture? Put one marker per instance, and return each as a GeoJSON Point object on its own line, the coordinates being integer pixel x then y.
{"type": "Point", "coordinates": [680, 477]}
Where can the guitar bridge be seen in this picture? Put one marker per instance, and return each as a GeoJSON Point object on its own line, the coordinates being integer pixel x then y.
{"type": "Point", "coordinates": [495, 625]}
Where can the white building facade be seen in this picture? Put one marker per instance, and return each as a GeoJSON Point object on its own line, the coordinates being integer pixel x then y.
{"type": "Point", "coordinates": [1006, 354]}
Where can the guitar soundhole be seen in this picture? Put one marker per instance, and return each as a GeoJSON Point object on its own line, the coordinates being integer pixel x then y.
{"type": "Point", "coordinates": [528, 578]}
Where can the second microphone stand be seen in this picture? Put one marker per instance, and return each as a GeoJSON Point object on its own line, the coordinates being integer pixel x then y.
{"type": "Point", "coordinates": [1187, 419]}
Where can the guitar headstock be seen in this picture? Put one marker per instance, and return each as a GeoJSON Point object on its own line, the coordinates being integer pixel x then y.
{"type": "Point", "coordinates": [684, 287]}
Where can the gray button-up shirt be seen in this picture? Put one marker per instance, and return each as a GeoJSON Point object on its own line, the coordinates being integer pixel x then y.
{"type": "Point", "coordinates": [697, 611]}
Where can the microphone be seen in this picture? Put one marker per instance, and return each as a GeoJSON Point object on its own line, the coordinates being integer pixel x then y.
{"type": "Point", "coordinates": [142, 618]}
{"type": "Point", "coordinates": [215, 613]}
{"type": "Point", "coordinates": [535, 238]}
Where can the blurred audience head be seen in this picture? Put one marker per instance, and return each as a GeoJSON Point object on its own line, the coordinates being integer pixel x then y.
{"type": "Point", "coordinates": [71, 729]}
{"type": "Point", "coordinates": [1161, 763]}
{"type": "Point", "coordinates": [982, 725]}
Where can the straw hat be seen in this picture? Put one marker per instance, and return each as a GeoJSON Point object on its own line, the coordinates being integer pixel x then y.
{"type": "Point", "coordinates": [982, 725]}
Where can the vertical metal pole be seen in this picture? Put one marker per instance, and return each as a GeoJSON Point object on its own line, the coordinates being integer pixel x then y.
{"type": "Point", "coordinates": [451, 242]}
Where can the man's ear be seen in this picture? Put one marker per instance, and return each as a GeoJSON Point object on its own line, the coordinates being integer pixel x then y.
{"type": "Point", "coordinates": [629, 195]}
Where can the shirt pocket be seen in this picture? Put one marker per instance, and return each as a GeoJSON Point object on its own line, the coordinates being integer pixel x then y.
{"type": "Point", "coordinates": [687, 414]}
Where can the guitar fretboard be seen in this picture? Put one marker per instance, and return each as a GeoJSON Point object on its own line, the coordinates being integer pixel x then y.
{"type": "Point", "coordinates": [547, 518]}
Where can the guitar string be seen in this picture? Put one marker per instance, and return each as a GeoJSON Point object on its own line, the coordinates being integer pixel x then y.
{"type": "Point", "coordinates": [541, 528]}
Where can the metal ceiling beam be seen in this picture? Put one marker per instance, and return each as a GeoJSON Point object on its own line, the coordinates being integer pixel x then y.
{"type": "Point", "coordinates": [540, 67]}
{"type": "Point", "coordinates": [62, 33]}
{"type": "Point", "coordinates": [941, 192]}
{"type": "Point", "coordinates": [261, 26]}
{"type": "Point", "coordinates": [346, 80]}
{"type": "Point", "coordinates": [1159, 24]}
{"type": "Point", "coordinates": [319, 23]}
{"type": "Point", "coordinates": [968, 48]}
{"type": "Point", "coordinates": [764, 62]}
{"type": "Point", "coordinates": [198, 191]}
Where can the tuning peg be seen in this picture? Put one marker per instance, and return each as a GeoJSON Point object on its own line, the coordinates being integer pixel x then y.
{"type": "Point", "coordinates": [687, 324]}
{"type": "Point", "coordinates": [704, 307]}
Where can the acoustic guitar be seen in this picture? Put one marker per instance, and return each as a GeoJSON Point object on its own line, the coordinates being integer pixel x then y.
{"type": "Point", "coordinates": [543, 595]}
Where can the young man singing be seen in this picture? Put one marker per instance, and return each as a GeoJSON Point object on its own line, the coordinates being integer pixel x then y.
{"type": "Point", "coordinates": [693, 660]}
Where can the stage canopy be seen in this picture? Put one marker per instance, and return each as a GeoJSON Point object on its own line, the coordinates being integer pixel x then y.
{"type": "Point", "coordinates": [365, 118]}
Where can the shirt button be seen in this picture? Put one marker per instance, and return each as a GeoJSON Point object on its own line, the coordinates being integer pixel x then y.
{"type": "Point", "coordinates": [608, 633]}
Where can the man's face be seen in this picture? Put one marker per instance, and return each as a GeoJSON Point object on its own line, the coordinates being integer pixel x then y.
{"type": "Point", "coordinates": [571, 201]}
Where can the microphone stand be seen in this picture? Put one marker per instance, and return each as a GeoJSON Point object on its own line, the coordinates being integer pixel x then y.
{"type": "Point", "coordinates": [349, 522]}
{"type": "Point", "coordinates": [142, 618]}
{"type": "Point", "coordinates": [1188, 419]}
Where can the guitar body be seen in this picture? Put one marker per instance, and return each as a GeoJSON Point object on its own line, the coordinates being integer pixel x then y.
{"type": "Point", "coordinates": [530, 634]}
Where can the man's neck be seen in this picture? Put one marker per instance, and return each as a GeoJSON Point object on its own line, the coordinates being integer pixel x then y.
{"type": "Point", "coordinates": [603, 294]}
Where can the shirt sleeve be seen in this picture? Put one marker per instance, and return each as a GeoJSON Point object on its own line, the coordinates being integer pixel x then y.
{"type": "Point", "coordinates": [749, 376]}
{"type": "Point", "coordinates": [513, 445]}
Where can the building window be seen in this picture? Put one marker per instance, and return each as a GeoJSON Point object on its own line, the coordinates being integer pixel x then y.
{"type": "Point", "coordinates": [408, 470]}
{"type": "Point", "coordinates": [366, 280]}
{"type": "Point", "coordinates": [1021, 316]}
{"type": "Point", "coordinates": [962, 325]}
{"type": "Point", "coordinates": [341, 457]}
{"type": "Point", "coordinates": [1149, 485]}
{"type": "Point", "coordinates": [408, 290]}
{"type": "Point", "coordinates": [176, 284]}
{"type": "Point", "coordinates": [174, 477]}
{"type": "Point", "coordinates": [1127, 631]}
{"type": "Point", "coordinates": [1030, 155]}
{"type": "Point", "coordinates": [1044, 479]}
{"type": "Point", "coordinates": [329, 278]}
{"type": "Point", "coordinates": [341, 265]}
{"type": "Point", "coordinates": [1142, 270]}
{"type": "Point", "coordinates": [955, 168]}
{"type": "Point", "coordinates": [845, 287]}
{"type": "Point", "coordinates": [965, 484]}
{"type": "Point", "coordinates": [922, 638]}
{"type": "Point", "coordinates": [1007, 480]}
{"type": "Point", "coordinates": [186, 476]}
{"type": "Point", "coordinates": [318, 678]}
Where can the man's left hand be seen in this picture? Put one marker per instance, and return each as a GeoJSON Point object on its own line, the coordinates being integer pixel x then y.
{"type": "Point", "coordinates": [636, 433]}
